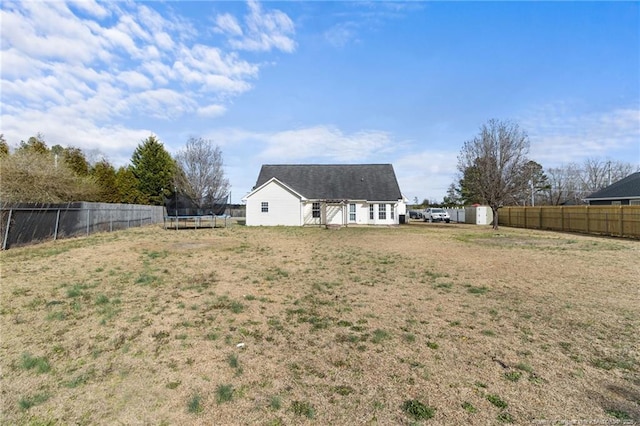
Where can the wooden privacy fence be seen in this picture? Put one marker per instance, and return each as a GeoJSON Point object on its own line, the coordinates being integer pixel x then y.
{"type": "Point", "coordinates": [620, 221]}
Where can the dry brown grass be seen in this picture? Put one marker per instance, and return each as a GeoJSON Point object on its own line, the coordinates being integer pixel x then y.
{"type": "Point", "coordinates": [340, 326]}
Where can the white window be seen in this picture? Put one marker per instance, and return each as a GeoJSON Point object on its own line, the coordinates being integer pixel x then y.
{"type": "Point", "coordinates": [315, 210]}
{"type": "Point", "coordinates": [265, 207]}
{"type": "Point", "coordinates": [370, 211]}
{"type": "Point", "coordinates": [616, 203]}
{"type": "Point", "coordinates": [634, 202]}
{"type": "Point", "coordinates": [393, 211]}
{"type": "Point", "coordinates": [382, 211]}
{"type": "Point", "coordinates": [352, 212]}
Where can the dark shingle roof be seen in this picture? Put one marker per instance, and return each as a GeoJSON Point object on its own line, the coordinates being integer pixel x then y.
{"type": "Point", "coordinates": [628, 187]}
{"type": "Point", "coordinates": [374, 182]}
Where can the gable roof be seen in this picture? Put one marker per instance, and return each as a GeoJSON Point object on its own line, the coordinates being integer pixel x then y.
{"type": "Point", "coordinates": [373, 182]}
{"type": "Point", "coordinates": [628, 187]}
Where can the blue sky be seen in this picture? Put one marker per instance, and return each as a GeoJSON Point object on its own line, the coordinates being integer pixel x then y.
{"type": "Point", "coordinates": [404, 83]}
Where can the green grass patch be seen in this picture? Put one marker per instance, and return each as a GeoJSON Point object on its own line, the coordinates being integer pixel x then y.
{"type": "Point", "coordinates": [469, 408]}
{"type": "Point", "coordinates": [343, 390]}
{"type": "Point", "coordinates": [303, 408]}
{"type": "Point", "coordinates": [380, 335]}
{"type": "Point", "coordinates": [497, 401]}
{"type": "Point", "coordinates": [39, 364]}
{"type": "Point", "coordinates": [102, 299]}
{"type": "Point", "coordinates": [79, 380]}
{"type": "Point", "coordinates": [146, 278]}
{"type": "Point", "coordinates": [27, 402]}
{"type": "Point", "coordinates": [275, 402]}
{"type": "Point", "coordinates": [417, 410]}
{"type": "Point", "coordinates": [56, 315]}
{"type": "Point", "coordinates": [75, 291]}
{"type": "Point", "coordinates": [512, 376]}
{"type": "Point", "coordinates": [477, 290]}
{"type": "Point", "coordinates": [234, 363]}
{"type": "Point", "coordinates": [236, 307]}
{"type": "Point", "coordinates": [505, 417]}
{"type": "Point", "coordinates": [618, 414]}
{"type": "Point", "coordinates": [409, 338]}
{"type": "Point", "coordinates": [224, 393]}
{"type": "Point", "coordinates": [212, 336]}
{"type": "Point", "coordinates": [194, 405]}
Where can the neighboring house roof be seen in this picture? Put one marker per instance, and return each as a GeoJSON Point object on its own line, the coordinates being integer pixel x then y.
{"type": "Point", "coordinates": [373, 182]}
{"type": "Point", "coordinates": [628, 187]}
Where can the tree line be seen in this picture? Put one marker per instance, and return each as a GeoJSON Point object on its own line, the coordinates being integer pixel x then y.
{"type": "Point", "coordinates": [494, 169]}
{"type": "Point", "coordinates": [35, 172]}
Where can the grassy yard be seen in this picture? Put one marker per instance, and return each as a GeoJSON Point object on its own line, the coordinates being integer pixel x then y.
{"type": "Point", "coordinates": [424, 323]}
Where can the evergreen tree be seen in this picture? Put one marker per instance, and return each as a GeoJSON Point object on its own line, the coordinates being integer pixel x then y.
{"type": "Point", "coordinates": [154, 169]}
{"type": "Point", "coordinates": [105, 177]}
{"type": "Point", "coordinates": [76, 160]}
{"type": "Point", "coordinates": [35, 144]}
{"type": "Point", "coordinates": [127, 186]}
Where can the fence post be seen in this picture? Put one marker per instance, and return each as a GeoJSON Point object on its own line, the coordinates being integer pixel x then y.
{"type": "Point", "coordinates": [586, 218]}
{"type": "Point", "coordinates": [110, 220]}
{"type": "Point", "coordinates": [88, 220]}
{"type": "Point", "coordinates": [621, 222]}
{"type": "Point", "coordinates": [6, 231]}
{"type": "Point", "coordinates": [540, 218]}
{"type": "Point", "coordinates": [55, 232]}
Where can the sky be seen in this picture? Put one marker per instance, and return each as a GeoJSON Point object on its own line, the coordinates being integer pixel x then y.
{"type": "Point", "coordinates": [314, 82]}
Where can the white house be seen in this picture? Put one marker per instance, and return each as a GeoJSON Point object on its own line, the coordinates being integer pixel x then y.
{"type": "Point", "coordinates": [314, 194]}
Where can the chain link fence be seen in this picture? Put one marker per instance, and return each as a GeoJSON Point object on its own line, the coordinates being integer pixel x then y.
{"type": "Point", "coordinates": [23, 224]}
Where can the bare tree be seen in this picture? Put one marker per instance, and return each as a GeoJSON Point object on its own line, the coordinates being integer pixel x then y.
{"type": "Point", "coordinates": [201, 162]}
{"type": "Point", "coordinates": [499, 156]}
{"type": "Point", "coordinates": [599, 173]}
{"type": "Point", "coordinates": [564, 185]}
{"type": "Point", "coordinates": [571, 183]}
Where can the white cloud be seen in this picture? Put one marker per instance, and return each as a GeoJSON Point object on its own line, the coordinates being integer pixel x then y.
{"type": "Point", "coordinates": [92, 8]}
{"type": "Point", "coordinates": [426, 174]}
{"type": "Point", "coordinates": [264, 30]}
{"type": "Point", "coordinates": [327, 143]}
{"type": "Point", "coordinates": [117, 142]}
{"type": "Point", "coordinates": [227, 24]}
{"type": "Point", "coordinates": [211, 111]}
{"type": "Point", "coordinates": [135, 80]}
{"type": "Point", "coordinates": [341, 34]}
{"type": "Point", "coordinates": [560, 134]}
{"type": "Point", "coordinates": [76, 70]}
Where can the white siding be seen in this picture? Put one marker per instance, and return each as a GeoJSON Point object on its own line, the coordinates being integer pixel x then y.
{"type": "Point", "coordinates": [307, 214]}
{"type": "Point", "coordinates": [335, 215]}
{"type": "Point", "coordinates": [284, 207]}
